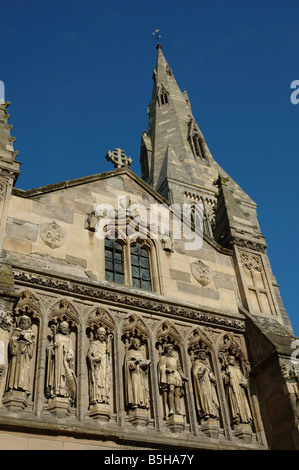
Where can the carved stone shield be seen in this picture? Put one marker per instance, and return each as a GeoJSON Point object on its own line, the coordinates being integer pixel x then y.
{"type": "Point", "coordinates": [52, 234]}
{"type": "Point", "coordinates": [201, 272]}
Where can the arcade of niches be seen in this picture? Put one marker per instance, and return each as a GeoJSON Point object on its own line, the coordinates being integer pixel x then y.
{"type": "Point", "coordinates": [153, 367]}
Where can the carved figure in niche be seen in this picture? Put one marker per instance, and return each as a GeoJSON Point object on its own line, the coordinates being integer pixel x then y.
{"type": "Point", "coordinates": [205, 387]}
{"type": "Point", "coordinates": [99, 365]}
{"type": "Point", "coordinates": [136, 369]}
{"type": "Point", "coordinates": [171, 380]}
{"type": "Point", "coordinates": [236, 386]}
{"type": "Point", "coordinates": [61, 379]}
{"type": "Point", "coordinates": [20, 350]}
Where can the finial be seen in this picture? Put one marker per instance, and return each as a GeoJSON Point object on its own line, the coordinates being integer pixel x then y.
{"type": "Point", "coordinates": [118, 158]}
{"type": "Point", "coordinates": [156, 33]}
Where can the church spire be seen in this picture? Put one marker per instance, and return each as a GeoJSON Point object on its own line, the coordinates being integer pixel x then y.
{"type": "Point", "coordinates": [172, 126]}
{"type": "Point", "coordinates": [177, 163]}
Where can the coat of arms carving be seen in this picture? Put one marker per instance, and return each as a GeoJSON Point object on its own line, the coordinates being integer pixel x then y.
{"type": "Point", "coordinates": [52, 234]}
{"type": "Point", "coordinates": [201, 272]}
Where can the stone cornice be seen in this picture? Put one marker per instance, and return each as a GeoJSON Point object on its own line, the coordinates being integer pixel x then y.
{"type": "Point", "coordinates": [127, 299]}
{"type": "Point", "coordinates": [89, 179]}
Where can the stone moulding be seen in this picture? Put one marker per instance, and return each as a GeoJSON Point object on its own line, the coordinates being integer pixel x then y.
{"type": "Point", "coordinates": [78, 288]}
{"type": "Point", "coordinates": [150, 440]}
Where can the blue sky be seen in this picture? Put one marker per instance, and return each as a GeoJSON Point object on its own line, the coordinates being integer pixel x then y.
{"type": "Point", "coordinates": [79, 77]}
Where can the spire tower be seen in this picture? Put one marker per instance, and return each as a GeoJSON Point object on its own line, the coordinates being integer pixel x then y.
{"type": "Point", "coordinates": [172, 126]}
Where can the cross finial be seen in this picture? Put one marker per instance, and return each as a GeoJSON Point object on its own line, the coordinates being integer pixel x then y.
{"type": "Point", "coordinates": [156, 33]}
{"type": "Point", "coordinates": [118, 158]}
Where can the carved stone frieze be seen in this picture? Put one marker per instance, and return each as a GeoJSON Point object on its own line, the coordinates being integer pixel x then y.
{"type": "Point", "coordinates": [151, 305]}
{"type": "Point", "coordinates": [254, 245]}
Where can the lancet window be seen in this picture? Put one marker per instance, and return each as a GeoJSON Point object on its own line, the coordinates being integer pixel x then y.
{"type": "Point", "coordinates": [196, 141]}
{"type": "Point", "coordinates": [141, 276]}
{"type": "Point", "coordinates": [162, 94]}
{"type": "Point", "coordinates": [114, 261]}
{"type": "Point", "coordinates": [128, 263]}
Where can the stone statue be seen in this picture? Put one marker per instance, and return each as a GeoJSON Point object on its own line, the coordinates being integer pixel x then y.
{"type": "Point", "coordinates": [99, 367]}
{"type": "Point", "coordinates": [205, 387]}
{"type": "Point", "coordinates": [136, 368]}
{"type": "Point", "coordinates": [236, 386]}
{"type": "Point", "coordinates": [171, 380]}
{"type": "Point", "coordinates": [61, 380]}
{"type": "Point", "coordinates": [20, 350]}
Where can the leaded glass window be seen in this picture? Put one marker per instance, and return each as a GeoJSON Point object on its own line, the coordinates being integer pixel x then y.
{"type": "Point", "coordinates": [140, 267]}
{"type": "Point", "coordinates": [114, 261]}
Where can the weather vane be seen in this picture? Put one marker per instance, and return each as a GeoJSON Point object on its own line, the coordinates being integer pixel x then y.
{"type": "Point", "coordinates": [156, 33]}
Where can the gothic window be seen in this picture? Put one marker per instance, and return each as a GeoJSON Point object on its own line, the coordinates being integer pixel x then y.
{"type": "Point", "coordinates": [197, 146]}
{"type": "Point", "coordinates": [162, 94]}
{"type": "Point", "coordinates": [163, 98]}
{"type": "Point", "coordinates": [114, 261]}
{"type": "Point", "coordinates": [169, 71]}
{"type": "Point", "coordinates": [140, 267]}
{"type": "Point", "coordinates": [128, 264]}
{"type": "Point", "coordinates": [197, 142]}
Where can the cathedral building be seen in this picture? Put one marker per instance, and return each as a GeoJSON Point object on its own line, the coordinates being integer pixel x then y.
{"type": "Point", "coordinates": [141, 312]}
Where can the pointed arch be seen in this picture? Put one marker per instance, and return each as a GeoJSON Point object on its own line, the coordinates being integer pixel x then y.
{"type": "Point", "coordinates": [29, 304]}
{"type": "Point", "coordinates": [199, 339]}
{"type": "Point", "coordinates": [162, 94]}
{"type": "Point", "coordinates": [227, 345]}
{"type": "Point", "coordinates": [196, 141]}
{"type": "Point", "coordinates": [63, 310]}
{"type": "Point", "coordinates": [99, 317]}
{"type": "Point", "coordinates": [167, 333]}
{"type": "Point", "coordinates": [134, 327]}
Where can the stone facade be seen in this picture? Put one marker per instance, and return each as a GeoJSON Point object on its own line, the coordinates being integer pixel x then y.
{"type": "Point", "coordinates": [147, 343]}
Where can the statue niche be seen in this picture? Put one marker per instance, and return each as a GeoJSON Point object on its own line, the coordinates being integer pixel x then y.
{"type": "Point", "coordinates": [171, 380]}
{"type": "Point", "coordinates": [99, 363]}
{"type": "Point", "coordinates": [200, 349]}
{"type": "Point", "coordinates": [20, 379]}
{"type": "Point", "coordinates": [21, 350]}
{"type": "Point", "coordinates": [204, 383]}
{"type": "Point", "coordinates": [136, 368]}
{"type": "Point", "coordinates": [61, 382]}
{"type": "Point", "coordinates": [136, 371]}
{"type": "Point", "coordinates": [171, 376]}
{"type": "Point", "coordinates": [236, 385]}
